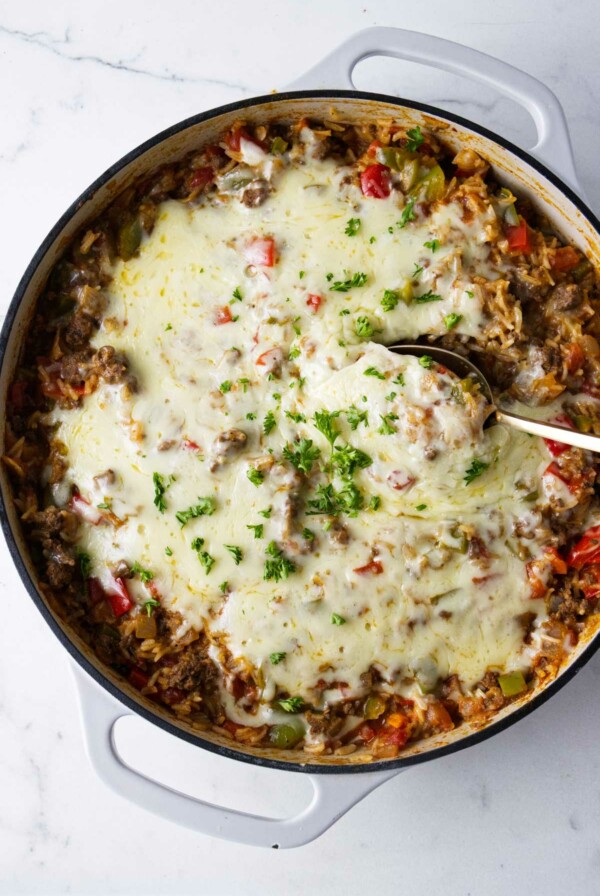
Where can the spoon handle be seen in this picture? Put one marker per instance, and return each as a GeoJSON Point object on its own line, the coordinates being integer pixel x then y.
{"type": "Point", "coordinates": [586, 440]}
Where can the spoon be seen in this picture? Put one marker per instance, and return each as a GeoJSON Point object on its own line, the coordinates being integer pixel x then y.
{"type": "Point", "coordinates": [463, 368]}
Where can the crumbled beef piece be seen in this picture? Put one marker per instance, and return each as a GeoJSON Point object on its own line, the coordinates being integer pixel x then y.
{"type": "Point", "coordinates": [528, 288]}
{"type": "Point", "coordinates": [78, 331]}
{"type": "Point", "coordinates": [113, 367]}
{"type": "Point", "coordinates": [192, 668]}
{"type": "Point", "coordinates": [255, 193]}
{"type": "Point", "coordinates": [75, 368]}
{"type": "Point", "coordinates": [564, 297]}
{"type": "Point", "coordinates": [226, 446]}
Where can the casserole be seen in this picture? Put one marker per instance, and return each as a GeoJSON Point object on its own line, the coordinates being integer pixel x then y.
{"type": "Point", "coordinates": [175, 143]}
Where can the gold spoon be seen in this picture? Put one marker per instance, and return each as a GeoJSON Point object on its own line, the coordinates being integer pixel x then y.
{"type": "Point", "coordinates": [463, 368]}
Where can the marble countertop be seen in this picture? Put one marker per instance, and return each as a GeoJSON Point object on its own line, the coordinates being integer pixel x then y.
{"type": "Point", "coordinates": [518, 813]}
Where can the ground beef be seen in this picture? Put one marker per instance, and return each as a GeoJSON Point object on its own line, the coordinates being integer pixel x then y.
{"type": "Point", "coordinates": [113, 367]}
{"type": "Point", "coordinates": [192, 668]}
{"type": "Point", "coordinates": [76, 367]}
{"type": "Point", "coordinates": [527, 287]}
{"type": "Point", "coordinates": [255, 193]}
{"type": "Point", "coordinates": [78, 331]}
{"type": "Point", "coordinates": [564, 297]}
{"type": "Point", "coordinates": [225, 446]}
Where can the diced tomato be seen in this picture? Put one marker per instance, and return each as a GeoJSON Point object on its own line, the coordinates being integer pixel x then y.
{"type": "Point", "coordinates": [18, 394]}
{"type": "Point", "coordinates": [554, 470]}
{"type": "Point", "coordinates": [190, 445]}
{"type": "Point", "coordinates": [366, 733]}
{"type": "Point", "coordinates": [271, 360]}
{"type": "Point", "coordinates": [201, 177]}
{"type": "Point", "coordinates": [118, 597]}
{"type": "Point", "coordinates": [565, 259]}
{"type": "Point", "coordinates": [396, 736]}
{"type": "Point", "coordinates": [587, 549]}
{"type": "Point", "coordinates": [260, 252]}
{"type": "Point", "coordinates": [400, 480]}
{"type": "Point", "coordinates": [538, 589]}
{"type": "Point", "coordinates": [96, 592]}
{"type": "Point", "coordinates": [557, 448]}
{"type": "Point", "coordinates": [556, 561]}
{"type": "Point", "coordinates": [591, 582]}
{"type": "Point", "coordinates": [236, 135]}
{"type": "Point", "coordinates": [85, 510]}
{"type": "Point", "coordinates": [314, 302]}
{"type": "Point", "coordinates": [373, 568]}
{"type": "Point", "coordinates": [223, 315]}
{"type": "Point", "coordinates": [574, 357]}
{"type": "Point", "coordinates": [138, 678]}
{"type": "Point", "coordinates": [372, 148]}
{"type": "Point", "coordinates": [376, 181]}
{"type": "Point", "coordinates": [518, 237]}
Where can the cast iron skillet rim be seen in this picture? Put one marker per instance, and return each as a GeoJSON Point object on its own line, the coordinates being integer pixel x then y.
{"type": "Point", "coordinates": [76, 654]}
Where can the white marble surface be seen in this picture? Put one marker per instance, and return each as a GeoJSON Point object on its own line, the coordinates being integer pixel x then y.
{"type": "Point", "coordinates": [81, 84]}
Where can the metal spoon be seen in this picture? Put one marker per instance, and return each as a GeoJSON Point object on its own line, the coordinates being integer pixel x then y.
{"type": "Point", "coordinates": [462, 367]}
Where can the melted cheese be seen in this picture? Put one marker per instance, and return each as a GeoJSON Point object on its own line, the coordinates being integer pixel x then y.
{"type": "Point", "coordinates": [431, 610]}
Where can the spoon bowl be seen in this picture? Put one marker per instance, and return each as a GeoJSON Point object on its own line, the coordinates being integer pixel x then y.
{"type": "Point", "coordinates": [462, 367]}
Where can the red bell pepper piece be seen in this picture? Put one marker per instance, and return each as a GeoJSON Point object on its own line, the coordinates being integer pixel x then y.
{"type": "Point", "coordinates": [518, 237]}
{"type": "Point", "coordinates": [565, 259]}
{"type": "Point", "coordinates": [587, 549]}
{"type": "Point", "coordinates": [557, 448]}
{"type": "Point", "coordinates": [314, 302]}
{"type": "Point", "coordinates": [201, 177]}
{"type": "Point", "coordinates": [376, 181]}
{"type": "Point", "coordinates": [373, 568]}
{"type": "Point", "coordinates": [260, 252]}
{"type": "Point", "coordinates": [118, 597]}
{"type": "Point", "coordinates": [223, 315]}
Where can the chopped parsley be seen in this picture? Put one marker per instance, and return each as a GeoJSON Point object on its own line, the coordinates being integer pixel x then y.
{"type": "Point", "coordinates": [324, 422]}
{"type": "Point", "coordinates": [414, 139]}
{"type": "Point", "coordinates": [85, 564]}
{"type": "Point", "coordinates": [427, 297]}
{"type": "Point", "coordinates": [294, 353]}
{"type": "Point", "coordinates": [352, 227]}
{"type": "Point", "coordinates": [258, 530]}
{"type": "Point", "coordinates": [302, 454]}
{"type": "Point", "coordinates": [168, 327]}
{"type": "Point", "coordinates": [336, 619]}
{"type": "Point", "coordinates": [243, 381]}
{"type": "Point", "coordinates": [451, 320]}
{"type": "Point", "coordinates": [351, 282]}
{"type": "Point", "coordinates": [434, 245]}
{"type": "Point", "coordinates": [225, 387]}
{"type": "Point", "coordinates": [391, 396]}
{"type": "Point", "coordinates": [168, 551]}
{"type": "Point", "coordinates": [291, 704]}
{"type": "Point", "coordinates": [363, 327]}
{"type": "Point", "coordinates": [277, 566]}
{"type": "Point", "coordinates": [308, 534]}
{"type": "Point", "coordinates": [347, 460]}
{"type": "Point", "coordinates": [390, 300]}
{"type": "Point", "coordinates": [470, 294]}
{"type": "Point", "coordinates": [344, 312]}
{"type": "Point", "coordinates": [407, 214]}
{"type": "Point", "coordinates": [421, 507]}
{"type": "Point", "coordinates": [301, 275]}
{"type": "Point", "coordinates": [276, 658]}
{"type": "Point", "coordinates": [223, 586]}
{"type": "Point", "coordinates": [250, 416]}
{"type": "Point", "coordinates": [149, 605]}
{"type": "Point", "coordinates": [426, 361]}
{"type": "Point", "coordinates": [296, 417]}
{"type": "Point", "coordinates": [417, 271]}
{"type": "Point", "coordinates": [476, 469]}
{"type": "Point", "coordinates": [236, 553]}
{"type": "Point", "coordinates": [269, 423]}
{"type": "Point", "coordinates": [203, 556]}
{"type": "Point", "coordinates": [375, 503]}
{"type": "Point", "coordinates": [144, 574]}
{"type": "Point", "coordinates": [386, 428]}
{"type": "Point", "coordinates": [372, 371]}
{"type": "Point", "coordinates": [255, 476]}
{"type": "Point", "coordinates": [266, 513]}
{"type": "Point", "coordinates": [237, 295]}
{"type": "Point", "coordinates": [372, 239]}
{"type": "Point", "coordinates": [356, 417]}
{"type": "Point", "coordinates": [160, 488]}
{"type": "Point", "coordinates": [204, 507]}
{"type": "Point", "coordinates": [327, 500]}
{"type": "Point", "coordinates": [105, 505]}
{"type": "Point", "coordinates": [399, 381]}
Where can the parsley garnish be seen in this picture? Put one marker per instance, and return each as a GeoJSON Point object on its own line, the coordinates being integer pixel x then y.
{"type": "Point", "coordinates": [451, 320]}
{"type": "Point", "coordinates": [426, 361]}
{"type": "Point", "coordinates": [356, 280]}
{"type": "Point", "coordinates": [407, 214]}
{"type": "Point", "coordinates": [336, 619]}
{"type": "Point", "coordinates": [375, 503]}
{"type": "Point", "coordinates": [476, 469]}
{"type": "Point", "coordinates": [258, 530]}
{"type": "Point", "coordinates": [291, 704]}
{"type": "Point", "coordinates": [417, 271]}
{"type": "Point", "coordinates": [421, 507]}
{"type": "Point", "coordinates": [356, 417]}
{"type": "Point", "coordinates": [204, 507]}
{"type": "Point", "coordinates": [144, 574]}
{"type": "Point", "coordinates": [324, 423]}
{"type": "Point", "coordinates": [236, 553]}
{"type": "Point", "coordinates": [372, 371]}
{"type": "Point", "coordinates": [160, 487]}
{"type": "Point", "coordinates": [470, 294]}
{"type": "Point", "coordinates": [168, 551]}
{"type": "Point", "coordinates": [301, 275]}
{"type": "Point", "coordinates": [255, 476]}
{"type": "Point", "coordinates": [352, 227]}
{"type": "Point", "coordinates": [302, 454]}
{"type": "Point", "coordinates": [327, 500]}
{"type": "Point", "coordinates": [278, 566]}
{"type": "Point", "coordinates": [399, 381]}
{"type": "Point", "coordinates": [269, 423]}
{"type": "Point", "coordinates": [296, 417]}
{"type": "Point", "coordinates": [294, 353]}
{"type": "Point", "coordinates": [203, 556]}
{"type": "Point", "coordinates": [308, 534]}
{"type": "Point", "coordinates": [276, 658]}
{"type": "Point", "coordinates": [168, 327]}
{"type": "Point", "coordinates": [266, 513]}
{"type": "Point", "coordinates": [414, 139]}
{"type": "Point", "coordinates": [223, 586]}
{"type": "Point", "coordinates": [149, 605]}
{"type": "Point", "coordinates": [363, 327]}
{"type": "Point", "coordinates": [250, 416]}
{"type": "Point", "coordinates": [106, 505]}
{"type": "Point", "coordinates": [347, 460]}
{"type": "Point", "coordinates": [434, 245]}
{"type": "Point", "coordinates": [427, 297]}
{"type": "Point", "coordinates": [225, 387]}
{"type": "Point", "coordinates": [237, 294]}
{"type": "Point", "coordinates": [391, 396]}
{"type": "Point", "coordinates": [390, 300]}
{"type": "Point", "coordinates": [386, 428]}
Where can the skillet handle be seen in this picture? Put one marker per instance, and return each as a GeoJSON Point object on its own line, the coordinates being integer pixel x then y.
{"type": "Point", "coordinates": [554, 144]}
{"type": "Point", "coordinates": [333, 795]}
